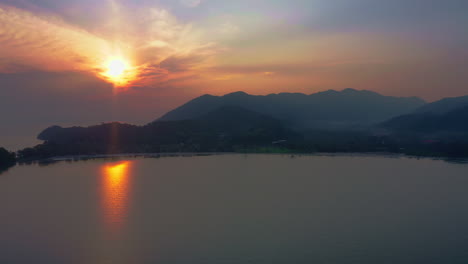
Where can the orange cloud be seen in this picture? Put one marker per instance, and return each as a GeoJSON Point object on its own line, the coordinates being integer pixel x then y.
{"type": "Point", "coordinates": [45, 43]}
{"type": "Point", "coordinates": [151, 43]}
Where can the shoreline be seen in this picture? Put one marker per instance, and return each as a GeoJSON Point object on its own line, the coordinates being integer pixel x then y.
{"type": "Point", "coordinates": [460, 160]}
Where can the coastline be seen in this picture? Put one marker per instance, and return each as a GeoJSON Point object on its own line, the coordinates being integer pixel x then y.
{"type": "Point", "coordinates": [73, 158]}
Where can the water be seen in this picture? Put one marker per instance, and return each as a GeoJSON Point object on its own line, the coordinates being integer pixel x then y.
{"type": "Point", "coordinates": [236, 209]}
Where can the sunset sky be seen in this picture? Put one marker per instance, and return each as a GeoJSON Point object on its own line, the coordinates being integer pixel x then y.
{"type": "Point", "coordinates": [81, 62]}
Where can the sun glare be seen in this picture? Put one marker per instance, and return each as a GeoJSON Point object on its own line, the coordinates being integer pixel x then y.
{"type": "Point", "coordinates": [116, 67]}
{"type": "Point", "coordinates": [115, 193]}
{"type": "Point", "coordinates": [117, 71]}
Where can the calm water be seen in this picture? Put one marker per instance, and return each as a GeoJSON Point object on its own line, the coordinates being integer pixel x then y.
{"type": "Point", "coordinates": [236, 209]}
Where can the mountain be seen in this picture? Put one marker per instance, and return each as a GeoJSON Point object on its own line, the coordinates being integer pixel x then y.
{"type": "Point", "coordinates": [226, 128]}
{"type": "Point", "coordinates": [444, 106]}
{"type": "Point", "coordinates": [446, 115]}
{"type": "Point", "coordinates": [7, 159]}
{"type": "Point", "coordinates": [436, 121]}
{"type": "Point", "coordinates": [231, 128]}
{"type": "Point", "coordinates": [235, 119]}
{"type": "Point", "coordinates": [440, 132]}
{"type": "Point", "coordinates": [239, 122]}
{"type": "Point", "coordinates": [324, 110]}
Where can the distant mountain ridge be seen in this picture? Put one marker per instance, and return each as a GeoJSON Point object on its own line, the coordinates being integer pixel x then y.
{"type": "Point", "coordinates": [446, 115]}
{"type": "Point", "coordinates": [244, 123]}
{"type": "Point", "coordinates": [331, 109]}
{"type": "Point", "coordinates": [444, 105]}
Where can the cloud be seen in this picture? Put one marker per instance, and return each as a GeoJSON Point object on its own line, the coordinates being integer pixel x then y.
{"type": "Point", "coordinates": [30, 41]}
{"type": "Point", "coordinates": [156, 45]}
{"type": "Point", "coordinates": [190, 3]}
{"type": "Point", "coordinates": [229, 28]}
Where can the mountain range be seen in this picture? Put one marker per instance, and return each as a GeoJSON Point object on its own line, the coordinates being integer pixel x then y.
{"type": "Point", "coordinates": [438, 117]}
{"type": "Point", "coordinates": [444, 105]}
{"type": "Point", "coordinates": [331, 121]}
{"type": "Point", "coordinates": [331, 110]}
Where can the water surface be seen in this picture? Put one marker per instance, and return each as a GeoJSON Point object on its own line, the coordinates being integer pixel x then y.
{"type": "Point", "coordinates": [236, 209]}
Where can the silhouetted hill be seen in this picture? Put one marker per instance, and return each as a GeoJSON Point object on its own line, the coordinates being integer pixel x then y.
{"type": "Point", "coordinates": [102, 133]}
{"type": "Point", "coordinates": [7, 159]}
{"type": "Point", "coordinates": [228, 124]}
{"type": "Point", "coordinates": [444, 106]}
{"type": "Point", "coordinates": [325, 110]}
{"type": "Point", "coordinates": [224, 129]}
{"type": "Point", "coordinates": [430, 122]}
{"type": "Point", "coordinates": [237, 119]}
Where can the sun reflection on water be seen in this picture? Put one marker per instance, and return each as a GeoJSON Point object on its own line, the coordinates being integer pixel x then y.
{"type": "Point", "coordinates": [115, 194]}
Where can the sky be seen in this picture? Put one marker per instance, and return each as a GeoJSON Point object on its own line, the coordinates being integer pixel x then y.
{"type": "Point", "coordinates": [83, 62]}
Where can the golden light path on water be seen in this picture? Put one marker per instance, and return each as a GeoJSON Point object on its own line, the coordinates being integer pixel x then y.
{"type": "Point", "coordinates": [115, 194]}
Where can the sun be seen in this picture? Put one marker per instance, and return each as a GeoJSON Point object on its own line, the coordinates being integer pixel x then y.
{"type": "Point", "coordinates": [116, 67]}
{"type": "Point", "coordinates": [118, 71]}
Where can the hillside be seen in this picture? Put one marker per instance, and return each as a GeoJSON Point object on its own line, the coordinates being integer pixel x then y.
{"type": "Point", "coordinates": [224, 129]}
{"type": "Point", "coordinates": [347, 109]}
{"type": "Point", "coordinates": [7, 159]}
{"type": "Point", "coordinates": [444, 106]}
{"type": "Point", "coordinates": [431, 122]}
{"type": "Point", "coordinates": [233, 128]}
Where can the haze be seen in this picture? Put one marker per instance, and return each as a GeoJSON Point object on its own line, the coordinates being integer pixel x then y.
{"type": "Point", "coordinates": [79, 62]}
